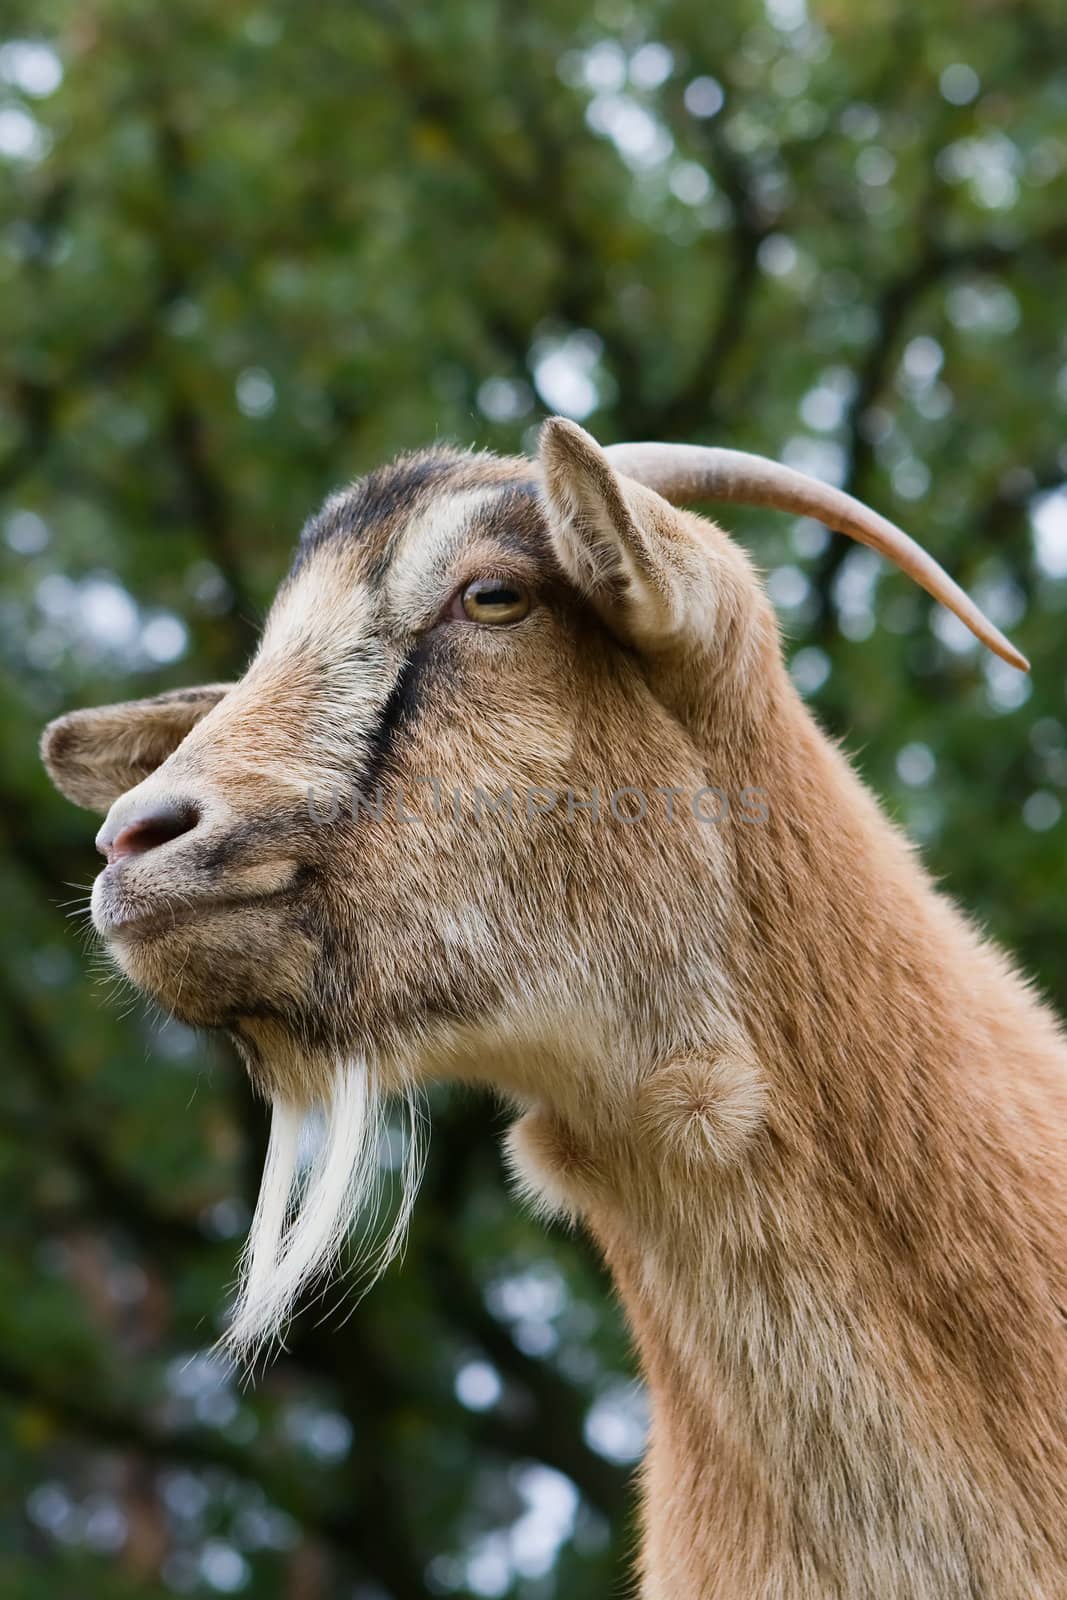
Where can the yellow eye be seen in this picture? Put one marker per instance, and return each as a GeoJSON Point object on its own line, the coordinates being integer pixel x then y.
{"type": "Point", "coordinates": [495, 600]}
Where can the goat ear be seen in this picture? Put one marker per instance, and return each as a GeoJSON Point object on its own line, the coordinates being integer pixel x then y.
{"type": "Point", "coordinates": [94, 756]}
{"type": "Point", "coordinates": [622, 545]}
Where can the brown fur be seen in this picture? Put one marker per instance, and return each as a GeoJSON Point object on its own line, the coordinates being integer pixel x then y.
{"type": "Point", "coordinates": [816, 1124]}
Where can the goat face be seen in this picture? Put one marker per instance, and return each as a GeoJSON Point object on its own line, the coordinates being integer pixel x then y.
{"type": "Point", "coordinates": [416, 838]}
{"type": "Point", "coordinates": [380, 840]}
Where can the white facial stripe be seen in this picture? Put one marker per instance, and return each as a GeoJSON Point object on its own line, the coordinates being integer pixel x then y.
{"type": "Point", "coordinates": [329, 608]}
{"type": "Point", "coordinates": [325, 629]}
{"type": "Point", "coordinates": [324, 607]}
{"type": "Point", "coordinates": [427, 546]}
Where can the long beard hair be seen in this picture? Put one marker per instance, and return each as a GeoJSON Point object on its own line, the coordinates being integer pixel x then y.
{"type": "Point", "coordinates": [306, 1209]}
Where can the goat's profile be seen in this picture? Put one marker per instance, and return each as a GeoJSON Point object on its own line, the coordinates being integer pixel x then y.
{"type": "Point", "coordinates": [814, 1121]}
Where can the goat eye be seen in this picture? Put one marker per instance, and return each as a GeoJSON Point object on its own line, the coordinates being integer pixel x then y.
{"type": "Point", "coordinates": [494, 600]}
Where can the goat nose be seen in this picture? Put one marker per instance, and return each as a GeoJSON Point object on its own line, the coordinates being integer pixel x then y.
{"type": "Point", "coordinates": [165, 821]}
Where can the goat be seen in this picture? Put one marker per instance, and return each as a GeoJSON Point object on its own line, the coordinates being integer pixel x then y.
{"type": "Point", "coordinates": [812, 1118]}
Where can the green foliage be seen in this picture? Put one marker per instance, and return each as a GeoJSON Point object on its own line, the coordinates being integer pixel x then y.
{"type": "Point", "coordinates": [252, 250]}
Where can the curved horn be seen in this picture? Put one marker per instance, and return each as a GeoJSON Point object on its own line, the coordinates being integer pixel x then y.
{"type": "Point", "coordinates": [684, 472]}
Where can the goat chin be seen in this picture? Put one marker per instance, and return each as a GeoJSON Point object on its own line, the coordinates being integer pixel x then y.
{"type": "Point", "coordinates": [309, 1204]}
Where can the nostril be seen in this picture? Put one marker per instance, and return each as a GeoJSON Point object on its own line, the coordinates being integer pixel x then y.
{"type": "Point", "coordinates": [158, 826]}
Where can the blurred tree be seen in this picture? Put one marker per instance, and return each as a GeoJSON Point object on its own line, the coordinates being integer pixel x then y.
{"type": "Point", "coordinates": [252, 250]}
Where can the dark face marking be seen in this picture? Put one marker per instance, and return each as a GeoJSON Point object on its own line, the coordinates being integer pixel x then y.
{"type": "Point", "coordinates": [516, 521]}
{"type": "Point", "coordinates": [381, 502]}
{"type": "Point", "coordinates": [376, 513]}
{"type": "Point", "coordinates": [399, 708]}
{"type": "Point", "coordinates": [375, 510]}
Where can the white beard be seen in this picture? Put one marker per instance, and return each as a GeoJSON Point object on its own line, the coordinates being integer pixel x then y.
{"type": "Point", "coordinates": [303, 1217]}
